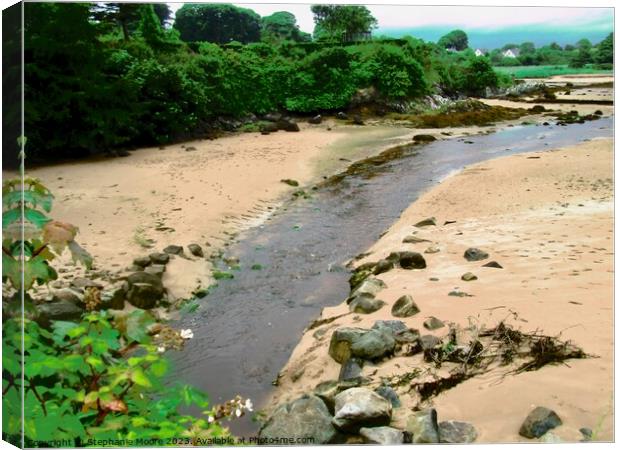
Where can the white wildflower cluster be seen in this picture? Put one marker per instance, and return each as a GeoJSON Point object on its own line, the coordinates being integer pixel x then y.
{"type": "Point", "coordinates": [234, 408]}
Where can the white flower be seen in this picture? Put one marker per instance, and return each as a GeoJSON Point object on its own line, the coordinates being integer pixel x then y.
{"type": "Point", "coordinates": [161, 349]}
{"type": "Point", "coordinates": [187, 334]}
{"type": "Point", "coordinates": [211, 419]}
{"type": "Point", "coordinates": [248, 405]}
{"type": "Point", "coordinates": [238, 412]}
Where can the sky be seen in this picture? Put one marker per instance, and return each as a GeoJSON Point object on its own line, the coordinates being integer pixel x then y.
{"type": "Point", "coordinates": [486, 26]}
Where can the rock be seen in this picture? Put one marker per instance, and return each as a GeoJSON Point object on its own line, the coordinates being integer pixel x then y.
{"type": "Point", "coordinates": [327, 391]}
{"type": "Point", "coordinates": [370, 286]}
{"type": "Point", "coordinates": [316, 120]}
{"type": "Point", "coordinates": [156, 269]}
{"type": "Point", "coordinates": [268, 128]}
{"type": "Point", "coordinates": [67, 295]}
{"type": "Point", "coordinates": [423, 427]}
{"type": "Point", "coordinates": [411, 260]}
{"type": "Point", "coordinates": [142, 261]}
{"type": "Point", "coordinates": [382, 436]}
{"type": "Point", "coordinates": [598, 112]}
{"type": "Point", "coordinates": [383, 266]}
{"type": "Point", "coordinates": [405, 307]}
{"type": "Point", "coordinates": [432, 249]}
{"type": "Point", "coordinates": [360, 407]}
{"type": "Point", "coordinates": [144, 290]}
{"type": "Point", "coordinates": [159, 258]}
{"type": "Point", "coordinates": [538, 422]}
{"type": "Point", "coordinates": [174, 250]}
{"type": "Point", "coordinates": [81, 283]}
{"type": "Point", "coordinates": [341, 341]}
{"type": "Point", "coordinates": [493, 264]}
{"type": "Point", "coordinates": [428, 341]}
{"type": "Point", "coordinates": [469, 277]}
{"type": "Point", "coordinates": [196, 250]}
{"type": "Point", "coordinates": [60, 310]}
{"type": "Point", "coordinates": [113, 298]}
{"type": "Point", "coordinates": [357, 120]}
{"type": "Point", "coordinates": [304, 418]}
{"type": "Point", "coordinates": [433, 323]}
{"type": "Point", "coordinates": [389, 394]}
{"type": "Point", "coordinates": [424, 138]}
{"type": "Point", "coordinates": [456, 293]}
{"type": "Point", "coordinates": [287, 125]}
{"type": "Point", "coordinates": [272, 117]}
{"type": "Point", "coordinates": [586, 433]}
{"type": "Point", "coordinates": [290, 182]}
{"type": "Point", "coordinates": [372, 345]}
{"type": "Point", "coordinates": [191, 149]}
{"type": "Point", "coordinates": [413, 239]}
{"type": "Point", "coordinates": [475, 254]}
{"type": "Point", "coordinates": [351, 369]}
{"type": "Point", "coordinates": [122, 153]}
{"type": "Point", "coordinates": [538, 109]}
{"type": "Point", "coordinates": [398, 330]}
{"type": "Point", "coordinates": [431, 221]}
{"type": "Point", "coordinates": [365, 304]}
{"type": "Point", "coordinates": [342, 116]}
{"type": "Point", "coordinates": [453, 432]}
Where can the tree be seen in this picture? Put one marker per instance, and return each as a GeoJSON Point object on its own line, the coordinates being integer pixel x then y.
{"type": "Point", "coordinates": [163, 13]}
{"type": "Point", "coordinates": [555, 46]}
{"type": "Point", "coordinates": [605, 50]}
{"type": "Point", "coordinates": [218, 23]}
{"type": "Point", "coordinates": [345, 23]}
{"type": "Point", "coordinates": [282, 26]}
{"type": "Point", "coordinates": [527, 48]}
{"type": "Point", "coordinates": [584, 43]}
{"type": "Point", "coordinates": [124, 15]}
{"type": "Point", "coordinates": [582, 58]}
{"type": "Point", "coordinates": [456, 39]}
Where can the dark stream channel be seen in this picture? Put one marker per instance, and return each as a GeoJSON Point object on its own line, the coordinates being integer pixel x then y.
{"type": "Point", "coordinates": [247, 327]}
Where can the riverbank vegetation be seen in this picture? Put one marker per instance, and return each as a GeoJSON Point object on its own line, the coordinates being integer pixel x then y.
{"type": "Point", "coordinates": [112, 76]}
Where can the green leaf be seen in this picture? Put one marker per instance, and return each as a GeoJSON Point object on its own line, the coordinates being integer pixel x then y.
{"type": "Point", "coordinates": [10, 216]}
{"type": "Point", "coordinates": [140, 378]}
{"type": "Point", "coordinates": [138, 322]}
{"type": "Point", "coordinates": [33, 198]}
{"type": "Point", "coordinates": [159, 368]}
{"type": "Point", "coordinates": [35, 217]}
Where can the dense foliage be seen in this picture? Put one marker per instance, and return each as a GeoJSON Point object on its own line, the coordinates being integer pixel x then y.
{"type": "Point", "coordinates": [107, 76]}
{"type": "Point", "coordinates": [342, 23]}
{"type": "Point", "coordinates": [99, 381]}
{"type": "Point", "coordinates": [455, 39]}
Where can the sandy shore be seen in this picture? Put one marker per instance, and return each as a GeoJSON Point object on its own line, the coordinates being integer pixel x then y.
{"type": "Point", "coordinates": [547, 218]}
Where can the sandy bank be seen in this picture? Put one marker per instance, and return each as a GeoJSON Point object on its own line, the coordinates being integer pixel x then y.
{"type": "Point", "coordinates": [547, 219]}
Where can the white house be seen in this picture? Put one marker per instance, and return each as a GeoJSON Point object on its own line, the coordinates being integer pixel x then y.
{"type": "Point", "coordinates": [511, 53]}
{"type": "Point", "coordinates": [481, 51]}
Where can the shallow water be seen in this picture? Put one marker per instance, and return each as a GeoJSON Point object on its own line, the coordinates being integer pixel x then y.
{"type": "Point", "coordinates": [246, 328]}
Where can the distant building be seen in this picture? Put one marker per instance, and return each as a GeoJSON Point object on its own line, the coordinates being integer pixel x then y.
{"type": "Point", "coordinates": [511, 53]}
{"type": "Point", "coordinates": [481, 52]}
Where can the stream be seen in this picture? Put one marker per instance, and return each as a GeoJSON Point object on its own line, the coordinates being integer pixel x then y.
{"type": "Point", "coordinates": [247, 327]}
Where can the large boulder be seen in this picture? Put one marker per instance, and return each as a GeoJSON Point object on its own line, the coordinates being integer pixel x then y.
{"type": "Point", "coordinates": [373, 345]}
{"type": "Point", "coordinates": [382, 266]}
{"type": "Point", "coordinates": [305, 418]}
{"type": "Point", "coordinates": [360, 407]}
{"type": "Point", "coordinates": [287, 125]}
{"type": "Point", "coordinates": [453, 432]}
{"type": "Point", "coordinates": [113, 298]}
{"type": "Point", "coordinates": [144, 290]}
{"type": "Point", "coordinates": [398, 330]}
{"type": "Point", "coordinates": [408, 260]}
{"type": "Point", "coordinates": [174, 250]}
{"type": "Point", "coordinates": [196, 250]}
{"type": "Point", "coordinates": [159, 258]}
{"type": "Point", "coordinates": [358, 342]}
{"type": "Point", "coordinates": [405, 307]}
{"type": "Point", "coordinates": [365, 304]}
{"type": "Point", "coordinates": [351, 369]}
{"type": "Point", "coordinates": [382, 436]}
{"type": "Point", "coordinates": [423, 427]}
{"type": "Point", "coordinates": [60, 310]}
{"type": "Point", "coordinates": [538, 422]}
{"type": "Point", "coordinates": [370, 286]}
{"type": "Point", "coordinates": [389, 394]}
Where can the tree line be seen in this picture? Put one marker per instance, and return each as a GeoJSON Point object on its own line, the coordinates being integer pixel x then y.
{"type": "Point", "coordinates": [116, 75]}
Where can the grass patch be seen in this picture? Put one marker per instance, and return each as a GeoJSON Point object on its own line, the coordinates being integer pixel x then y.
{"type": "Point", "coordinates": [257, 267]}
{"type": "Point", "coordinates": [549, 71]}
{"type": "Point", "coordinates": [140, 239]}
{"type": "Point", "coordinates": [219, 275]}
